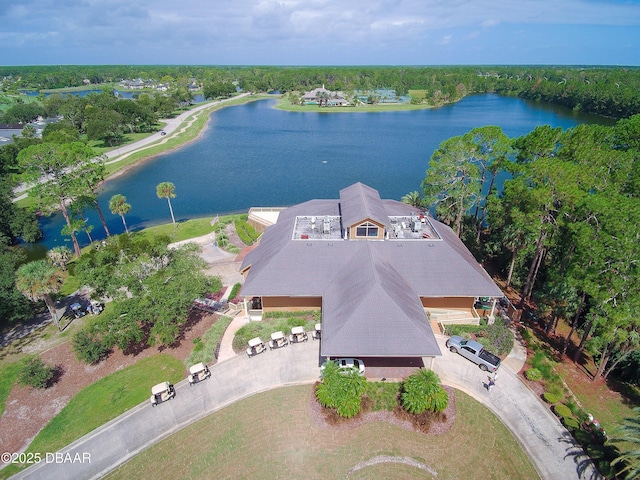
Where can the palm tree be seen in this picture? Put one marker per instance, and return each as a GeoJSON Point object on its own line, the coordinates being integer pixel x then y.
{"type": "Point", "coordinates": [60, 256]}
{"type": "Point", "coordinates": [628, 436]}
{"type": "Point", "coordinates": [37, 281]}
{"type": "Point", "coordinates": [414, 199]}
{"type": "Point", "coordinates": [119, 206]}
{"type": "Point", "coordinates": [167, 190]}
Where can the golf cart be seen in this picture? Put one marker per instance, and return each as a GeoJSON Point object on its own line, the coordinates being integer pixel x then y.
{"type": "Point", "coordinates": [198, 373]}
{"type": "Point", "coordinates": [76, 308]}
{"type": "Point", "coordinates": [278, 340]}
{"type": "Point", "coordinates": [161, 393]}
{"type": "Point", "coordinates": [317, 332]}
{"type": "Point", "coordinates": [298, 335]}
{"type": "Point", "coordinates": [256, 346]}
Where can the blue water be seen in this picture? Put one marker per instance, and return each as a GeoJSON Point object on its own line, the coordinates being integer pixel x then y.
{"type": "Point", "coordinates": [256, 155]}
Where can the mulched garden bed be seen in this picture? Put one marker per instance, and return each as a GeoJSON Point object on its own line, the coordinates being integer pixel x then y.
{"type": "Point", "coordinates": [426, 423]}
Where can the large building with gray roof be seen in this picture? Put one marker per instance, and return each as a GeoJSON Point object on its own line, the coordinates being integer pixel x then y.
{"type": "Point", "coordinates": [381, 272]}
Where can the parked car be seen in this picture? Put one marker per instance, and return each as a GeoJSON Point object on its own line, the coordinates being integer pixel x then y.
{"type": "Point", "coordinates": [475, 352]}
{"type": "Point", "coordinates": [347, 364]}
{"type": "Point", "coordinates": [161, 393]}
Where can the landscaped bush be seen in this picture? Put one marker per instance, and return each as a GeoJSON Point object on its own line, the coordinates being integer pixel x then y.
{"type": "Point", "coordinates": [245, 231]}
{"type": "Point", "coordinates": [544, 365]}
{"type": "Point", "coordinates": [422, 392]}
{"type": "Point", "coordinates": [571, 423]}
{"type": "Point", "coordinates": [341, 389]}
{"type": "Point", "coordinates": [272, 322]}
{"type": "Point", "coordinates": [552, 397]}
{"type": "Point", "coordinates": [35, 373]}
{"type": "Point", "coordinates": [533, 374]}
{"type": "Point", "coordinates": [499, 336]}
{"type": "Point", "coordinates": [234, 291]}
{"type": "Point", "coordinates": [204, 350]}
{"type": "Point", "coordinates": [88, 347]}
{"type": "Point", "coordinates": [562, 410]}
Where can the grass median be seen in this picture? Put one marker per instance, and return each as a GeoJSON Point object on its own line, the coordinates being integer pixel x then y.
{"type": "Point", "coordinates": [272, 435]}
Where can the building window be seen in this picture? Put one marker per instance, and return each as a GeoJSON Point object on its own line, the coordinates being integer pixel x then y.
{"type": "Point", "coordinates": [367, 230]}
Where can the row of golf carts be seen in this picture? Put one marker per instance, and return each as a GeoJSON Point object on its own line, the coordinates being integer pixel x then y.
{"type": "Point", "coordinates": [279, 340]}
{"type": "Point", "coordinates": [166, 391]}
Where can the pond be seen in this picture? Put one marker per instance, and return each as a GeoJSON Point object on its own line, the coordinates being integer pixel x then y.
{"type": "Point", "coordinates": [256, 155]}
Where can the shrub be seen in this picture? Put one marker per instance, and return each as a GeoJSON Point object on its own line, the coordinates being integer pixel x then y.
{"type": "Point", "coordinates": [562, 410]}
{"type": "Point", "coordinates": [89, 348]}
{"type": "Point", "coordinates": [499, 337]}
{"type": "Point", "coordinates": [205, 350]}
{"type": "Point", "coordinates": [341, 390]}
{"type": "Point", "coordinates": [35, 373]}
{"type": "Point", "coordinates": [571, 423]}
{"type": "Point", "coordinates": [533, 374]}
{"type": "Point", "coordinates": [552, 397]}
{"type": "Point", "coordinates": [422, 391]}
{"type": "Point", "coordinates": [245, 231]}
{"type": "Point", "coordinates": [234, 291]}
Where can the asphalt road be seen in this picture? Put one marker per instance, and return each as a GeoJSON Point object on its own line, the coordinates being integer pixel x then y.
{"type": "Point", "coordinates": [550, 447]}
{"type": "Point", "coordinates": [171, 127]}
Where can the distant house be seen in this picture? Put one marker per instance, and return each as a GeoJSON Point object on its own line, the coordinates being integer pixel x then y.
{"type": "Point", "coordinates": [382, 274]}
{"type": "Point", "coordinates": [322, 96]}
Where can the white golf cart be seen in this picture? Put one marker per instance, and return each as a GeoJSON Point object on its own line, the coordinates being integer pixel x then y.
{"type": "Point", "coordinates": [256, 346]}
{"type": "Point", "coordinates": [317, 332]}
{"type": "Point", "coordinates": [198, 373]}
{"type": "Point", "coordinates": [298, 335]}
{"type": "Point", "coordinates": [161, 393]}
{"type": "Point", "coordinates": [278, 340]}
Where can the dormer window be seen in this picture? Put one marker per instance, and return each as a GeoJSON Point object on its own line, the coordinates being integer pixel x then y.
{"type": "Point", "coordinates": [367, 230]}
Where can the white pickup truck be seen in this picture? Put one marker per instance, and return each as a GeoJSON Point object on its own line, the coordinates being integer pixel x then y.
{"type": "Point", "coordinates": [475, 352]}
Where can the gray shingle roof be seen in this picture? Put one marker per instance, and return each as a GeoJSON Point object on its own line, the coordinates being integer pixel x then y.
{"type": "Point", "coordinates": [370, 289]}
{"type": "Point", "coordinates": [359, 202]}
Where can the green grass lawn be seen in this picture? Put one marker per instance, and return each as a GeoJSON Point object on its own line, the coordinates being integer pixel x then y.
{"type": "Point", "coordinates": [8, 375]}
{"type": "Point", "coordinates": [285, 104]}
{"type": "Point", "coordinates": [271, 435]}
{"type": "Point", "coordinates": [102, 401]}
{"type": "Point", "coordinates": [196, 227]}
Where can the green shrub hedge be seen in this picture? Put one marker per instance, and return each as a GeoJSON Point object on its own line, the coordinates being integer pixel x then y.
{"type": "Point", "coordinates": [245, 231]}
{"type": "Point", "coordinates": [552, 397]}
{"type": "Point", "coordinates": [562, 411]}
{"type": "Point", "coordinates": [533, 374]}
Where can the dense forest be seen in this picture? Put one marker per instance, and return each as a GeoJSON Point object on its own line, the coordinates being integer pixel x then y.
{"type": "Point", "coordinates": [605, 91]}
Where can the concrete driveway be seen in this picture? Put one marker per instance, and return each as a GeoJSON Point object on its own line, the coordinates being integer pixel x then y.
{"type": "Point", "coordinates": [549, 445]}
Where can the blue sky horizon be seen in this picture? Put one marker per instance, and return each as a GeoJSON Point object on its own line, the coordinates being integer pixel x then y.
{"type": "Point", "coordinates": [321, 32]}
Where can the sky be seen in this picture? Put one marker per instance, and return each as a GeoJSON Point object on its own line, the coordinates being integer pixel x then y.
{"type": "Point", "coordinates": [320, 32]}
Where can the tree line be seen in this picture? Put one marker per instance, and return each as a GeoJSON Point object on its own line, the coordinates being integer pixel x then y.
{"type": "Point", "coordinates": [601, 90]}
{"type": "Point", "coordinates": [563, 228]}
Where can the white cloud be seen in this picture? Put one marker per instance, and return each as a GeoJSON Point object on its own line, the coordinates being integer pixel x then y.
{"type": "Point", "coordinates": [217, 26]}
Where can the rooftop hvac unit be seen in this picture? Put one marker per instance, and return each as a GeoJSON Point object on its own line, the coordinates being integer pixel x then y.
{"type": "Point", "coordinates": [326, 225]}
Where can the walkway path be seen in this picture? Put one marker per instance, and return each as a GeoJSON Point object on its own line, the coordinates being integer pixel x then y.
{"type": "Point", "coordinates": [550, 447]}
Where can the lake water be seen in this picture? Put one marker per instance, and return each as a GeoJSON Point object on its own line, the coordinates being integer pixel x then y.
{"type": "Point", "coordinates": [255, 155]}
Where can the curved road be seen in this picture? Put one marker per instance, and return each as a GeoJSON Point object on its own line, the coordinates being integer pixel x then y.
{"type": "Point", "coordinates": [171, 125]}
{"type": "Point", "coordinates": [550, 447]}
